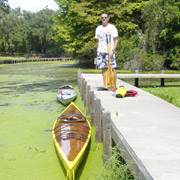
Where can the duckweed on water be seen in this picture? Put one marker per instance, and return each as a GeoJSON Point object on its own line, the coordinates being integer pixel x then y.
{"type": "Point", "coordinates": [28, 109]}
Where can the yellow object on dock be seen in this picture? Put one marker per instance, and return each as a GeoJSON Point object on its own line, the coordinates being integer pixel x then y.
{"type": "Point", "coordinates": [110, 81]}
{"type": "Point", "coordinates": [121, 92]}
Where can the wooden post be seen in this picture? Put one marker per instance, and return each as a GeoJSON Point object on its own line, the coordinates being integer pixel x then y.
{"type": "Point", "coordinates": [107, 139]}
{"type": "Point", "coordinates": [80, 80]}
{"type": "Point", "coordinates": [79, 77]}
{"type": "Point", "coordinates": [137, 79]}
{"type": "Point", "coordinates": [162, 79]}
{"type": "Point", "coordinates": [91, 106]}
{"type": "Point", "coordinates": [95, 62]}
{"type": "Point", "coordinates": [98, 120]}
{"type": "Point", "coordinates": [136, 82]}
{"type": "Point", "coordinates": [87, 99]}
{"type": "Point", "coordinates": [81, 84]}
{"type": "Point", "coordinates": [84, 92]}
{"type": "Point", "coordinates": [83, 89]}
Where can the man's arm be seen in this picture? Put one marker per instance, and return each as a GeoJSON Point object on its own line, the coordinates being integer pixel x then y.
{"type": "Point", "coordinates": [115, 43]}
{"type": "Point", "coordinates": [97, 42]}
{"type": "Point", "coordinates": [115, 46]}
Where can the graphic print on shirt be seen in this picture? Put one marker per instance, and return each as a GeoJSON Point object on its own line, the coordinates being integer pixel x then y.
{"type": "Point", "coordinates": [101, 33]}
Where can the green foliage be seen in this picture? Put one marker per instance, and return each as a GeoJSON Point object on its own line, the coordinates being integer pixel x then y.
{"type": "Point", "coordinates": [174, 56]}
{"type": "Point", "coordinates": [13, 32]}
{"type": "Point", "coordinates": [162, 28]}
{"type": "Point", "coordinates": [147, 29]}
{"type": "Point", "coordinates": [131, 55]}
{"type": "Point", "coordinates": [125, 49]}
{"type": "Point", "coordinates": [76, 22]}
{"type": "Point", "coordinates": [115, 168]}
{"type": "Point", "coordinates": [144, 61]}
{"type": "Point", "coordinates": [27, 32]}
{"type": "Point", "coordinates": [4, 8]}
{"type": "Point", "coordinates": [41, 31]}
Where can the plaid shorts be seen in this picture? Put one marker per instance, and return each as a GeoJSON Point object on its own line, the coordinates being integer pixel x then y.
{"type": "Point", "coordinates": [103, 59]}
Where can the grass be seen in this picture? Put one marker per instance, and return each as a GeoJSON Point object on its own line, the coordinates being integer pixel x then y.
{"type": "Point", "coordinates": [170, 92]}
{"type": "Point", "coordinates": [10, 57]}
{"type": "Point", "coordinates": [115, 168]}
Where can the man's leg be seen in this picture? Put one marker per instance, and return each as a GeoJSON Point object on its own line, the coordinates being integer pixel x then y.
{"type": "Point", "coordinates": [104, 75]}
{"type": "Point", "coordinates": [115, 76]}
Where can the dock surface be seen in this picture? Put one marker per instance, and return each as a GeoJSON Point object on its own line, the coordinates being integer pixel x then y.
{"type": "Point", "coordinates": [145, 127]}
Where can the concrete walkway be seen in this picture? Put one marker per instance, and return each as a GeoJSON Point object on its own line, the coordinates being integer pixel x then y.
{"type": "Point", "coordinates": [146, 128]}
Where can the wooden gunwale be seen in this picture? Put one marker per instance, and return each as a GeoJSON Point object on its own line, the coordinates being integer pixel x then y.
{"type": "Point", "coordinates": [71, 138]}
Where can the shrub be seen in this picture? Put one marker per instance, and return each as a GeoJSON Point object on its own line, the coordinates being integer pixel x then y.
{"type": "Point", "coordinates": [115, 168]}
{"type": "Point", "coordinates": [143, 61]}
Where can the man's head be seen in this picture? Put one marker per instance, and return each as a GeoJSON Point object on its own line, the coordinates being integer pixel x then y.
{"type": "Point", "coordinates": [104, 19]}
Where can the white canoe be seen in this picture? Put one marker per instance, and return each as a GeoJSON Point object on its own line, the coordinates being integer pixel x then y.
{"type": "Point", "coordinates": [66, 94]}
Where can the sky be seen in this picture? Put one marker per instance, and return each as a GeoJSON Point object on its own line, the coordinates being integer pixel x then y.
{"type": "Point", "coordinates": [33, 5]}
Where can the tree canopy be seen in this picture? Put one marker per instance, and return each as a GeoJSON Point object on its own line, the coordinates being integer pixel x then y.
{"type": "Point", "coordinates": [4, 8]}
{"type": "Point", "coordinates": [27, 32]}
{"type": "Point", "coordinates": [149, 32]}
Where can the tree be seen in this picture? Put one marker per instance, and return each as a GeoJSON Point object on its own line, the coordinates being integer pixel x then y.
{"type": "Point", "coordinates": [27, 32]}
{"type": "Point", "coordinates": [162, 29]}
{"type": "Point", "coordinates": [4, 8]}
{"type": "Point", "coordinates": [42, 33]}
{"type": "Point", "coordinates": [76, 21]}
{"type": "Point", "coordinates": [148, 29]}
{"type": "Point", "coordinates": [74, 26]}
{"type": "Point", "coordinates": [12, 30]}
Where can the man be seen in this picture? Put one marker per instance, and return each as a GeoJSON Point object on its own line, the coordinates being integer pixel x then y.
{"type": "Point", "coordinates": [102, 31]}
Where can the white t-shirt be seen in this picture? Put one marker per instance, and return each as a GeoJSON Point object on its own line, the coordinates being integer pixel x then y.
{"type": "Point", "coordinates": [101, 33]}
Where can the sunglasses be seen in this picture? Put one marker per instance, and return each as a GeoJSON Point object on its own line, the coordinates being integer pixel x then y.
{"type": "Point", "coordinates": [104, 17]}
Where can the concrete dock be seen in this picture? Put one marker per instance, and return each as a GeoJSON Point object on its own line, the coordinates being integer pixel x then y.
{"type": "Point", "coordinates": [145, 127]}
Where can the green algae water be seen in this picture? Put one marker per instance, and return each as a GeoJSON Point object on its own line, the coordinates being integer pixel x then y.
{"type": "Point", "coordinates": [28, 110]}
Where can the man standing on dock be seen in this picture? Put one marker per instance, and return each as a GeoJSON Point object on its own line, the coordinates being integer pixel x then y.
{"type": "Point", "coordinates": [101, 33]}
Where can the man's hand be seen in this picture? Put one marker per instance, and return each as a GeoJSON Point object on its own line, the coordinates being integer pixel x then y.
{"type": "Point", "coordinates": [111, 54]}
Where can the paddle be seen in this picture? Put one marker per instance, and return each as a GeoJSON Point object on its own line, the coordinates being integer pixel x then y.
{"type": "Point", "coordinates": [109, 76]}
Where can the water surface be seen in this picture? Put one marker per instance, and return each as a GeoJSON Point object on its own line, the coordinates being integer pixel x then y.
{"type": "Point", "coordinates": [28, 109]}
